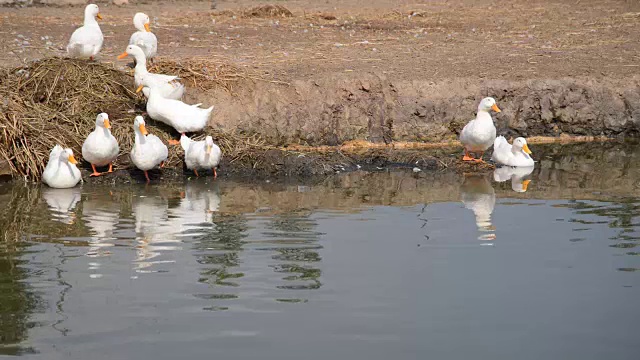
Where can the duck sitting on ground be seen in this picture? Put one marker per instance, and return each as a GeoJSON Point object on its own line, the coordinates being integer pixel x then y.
{"type": "Point", "coordinates": [61, 171]}
{"type": "Point", "coordinates": [182, 117]}
{"type": "Point", "coordinates": [201, 154]}
{"type": "Point", "coordinates": [86, 41]}
{"type": "Point", "coordinates": [148, 150]}
{"type": "Point", "coordinates": [144, 38]}
{"type": "Point", "coordinates": [511, 155]}
{"type": "Point", "coordinates": [169, 87]}
{"type": "Point", "coordinates": [101, 147]}
{"type": "Point", "coordinates": [478, 135]}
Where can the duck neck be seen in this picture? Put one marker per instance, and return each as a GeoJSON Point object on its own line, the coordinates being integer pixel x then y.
{"type": "Point", "coordinates": [141, 64]}
{"type": "Point", "coordinates": [106, 132]}
{"type": "Point", "coordinates": [153, 95]}
{"type": "Point", "coordinates": [483, 115]}
{"type": "Point", "coordinates": [140, 26]}
{"type": "Point", "coordinates": [90, 20]}
{"type": "Point", "coordinates": [140, 139]}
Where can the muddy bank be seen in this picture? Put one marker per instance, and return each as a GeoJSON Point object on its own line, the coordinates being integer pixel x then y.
{"type": "Point", "coordinates": [376, 108]}
{"type": "Point", "coordinates": [587, 160]}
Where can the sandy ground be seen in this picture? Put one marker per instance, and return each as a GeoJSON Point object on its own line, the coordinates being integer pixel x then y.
{"type": "Point", "coordinates": [484, 39]}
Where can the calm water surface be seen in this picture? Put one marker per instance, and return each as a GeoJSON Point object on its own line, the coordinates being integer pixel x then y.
{"type": "Point", "coordinates": [359, 266]}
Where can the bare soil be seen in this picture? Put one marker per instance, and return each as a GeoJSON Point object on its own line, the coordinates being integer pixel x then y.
{"type": "Point", "coordinates": [509, 40]}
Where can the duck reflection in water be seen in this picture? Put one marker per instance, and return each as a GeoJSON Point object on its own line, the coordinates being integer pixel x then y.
{"type": "Point", "coordinates": [199, 200]}
{"type": "Point", "coordinates": [100, 213]}
{"type": "Point", "coordinates": [478, 196]}
{"type": "Point", "coordinates": [153, 231]}
{"type": "Point", "coordinates": [516, 174]}
{"type": "Point", "coordinates": [62, 203]}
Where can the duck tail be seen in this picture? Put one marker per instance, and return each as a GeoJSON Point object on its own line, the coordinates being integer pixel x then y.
{"type": "Point", "coordinates": [74, 48]}
{"type": "Point", "coordinates": [500, 141]}
{"type": "Point", "coordinates": [185, 142]}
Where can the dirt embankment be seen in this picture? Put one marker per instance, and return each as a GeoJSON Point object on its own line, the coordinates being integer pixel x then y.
{"type": "Point", "coordinates": [378, 109]}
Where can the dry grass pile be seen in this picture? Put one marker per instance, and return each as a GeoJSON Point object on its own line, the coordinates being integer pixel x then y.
{"type": "Point", "coordinates": [203, 74]}
{"type": "Point", "coordinates": [260, 11]}
{"type": "Point", "coordinates": [268, 10]}
{"type": "Point", "coordinates": [56, 101]}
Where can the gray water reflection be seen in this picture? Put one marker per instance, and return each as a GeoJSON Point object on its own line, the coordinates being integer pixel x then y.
{"type": "Point", "coordinates": [365, 266]}
{"type": "Point", "coordinates": [518, 176]}
{"type": "Point", "coordinates": [478, 195]}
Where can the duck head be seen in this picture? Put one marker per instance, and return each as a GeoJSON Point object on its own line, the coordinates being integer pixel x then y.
{"type": "Point", "coordinates": [102, 121]}
{"type": "Point", "coordinates": [92, 12]}
{"type": "Point", "coordinates": [66, 156]}
{"type": "Point", "coordinates": [134, 51]}
{"type": "Point", "coordinates": [139, 126]}
{"type": "Point", "coordinates": [209, 144]}
{"type": "Point", "coordinates": [141, 22]}
{"type": "Point", "coordinates": [520, 144]}
{"type": "Point", "coordinates": [488, 104]}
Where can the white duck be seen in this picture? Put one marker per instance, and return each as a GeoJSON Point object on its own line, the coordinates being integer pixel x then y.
{"type": "Point", "coordinates": [169, 87]}
{"type": "Point", "coordinates": [101, 147]}
{"type": "Point", "coordinates": [478, 135]}
{"type": "Point", "coordinates": [144, 38]}
{"type": "Point", "coordinates": [516, 174]}
{"type": "Point", "coordinates": [86, 41]}
{"type": "Point", "coordinates": [511, 155]}
{"type": "Point", "coordinates": [148, 150]}
{"type": "Point", "coordinates": [182, 117]}
{"type": "Point", "coordinates": [201, 154]}
{"type": "Point", "coordinates": [61, 171]}
{"type": "Point", "coordinates": [478, 196]}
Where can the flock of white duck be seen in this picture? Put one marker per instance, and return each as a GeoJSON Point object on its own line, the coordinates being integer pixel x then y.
{"type": "Point", "coordinates": [163, 94]}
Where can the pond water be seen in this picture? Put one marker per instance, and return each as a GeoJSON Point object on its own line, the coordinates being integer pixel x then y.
{"type": "Point", "coordinates": [393, 264]}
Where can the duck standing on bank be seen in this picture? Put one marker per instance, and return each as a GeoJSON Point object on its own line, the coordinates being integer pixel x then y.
{"type": "Point", "coordinates": [517, 154]}
{"type": "Point", "coordinates": [479, 134]}
{"type": "Point", "coordinates": [201, 154]}
{"type": "Point", "coordinates": [169, 87]}
{"type": "Point", "coordinates": [61, 171]}
{"type": "Point", "coordinates": [144, 38]}
{"type": "Point", "coordinates": [86, 41]}
{"type": "Point", "coordinates": [182, 117]}
{"type": "Point", "coordinates": [101, 147]}
{"type": "Point", "coordinates": [148, 150]}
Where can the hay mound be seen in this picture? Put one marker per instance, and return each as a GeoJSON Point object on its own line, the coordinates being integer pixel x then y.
{"type": "Point", "coordinates": [56, 101]}
{"type": "Point", "coordinates": [203, 74]}
{"type": "Point", "coordinates": [269, 10]}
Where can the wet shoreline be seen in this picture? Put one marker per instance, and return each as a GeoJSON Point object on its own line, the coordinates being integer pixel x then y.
{"type": "Point", "coordinates": [312, 165]}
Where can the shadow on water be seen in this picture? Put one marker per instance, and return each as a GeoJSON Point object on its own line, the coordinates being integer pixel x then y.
{"type": "Point", "coordinates": [242, 246]}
